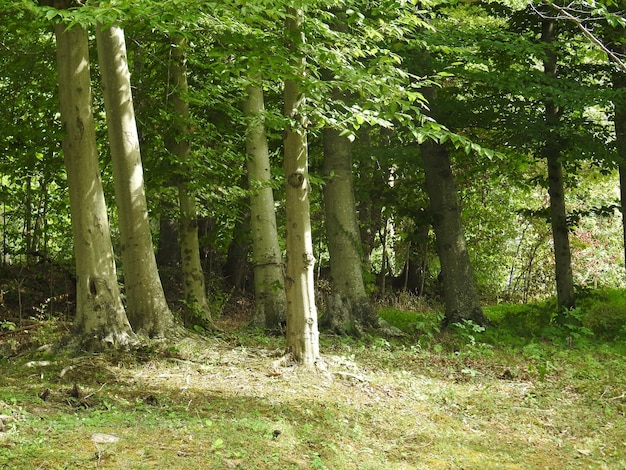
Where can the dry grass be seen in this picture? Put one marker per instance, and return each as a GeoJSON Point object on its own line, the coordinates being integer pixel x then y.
{"type": "Point", "coordinates": [218, 403]}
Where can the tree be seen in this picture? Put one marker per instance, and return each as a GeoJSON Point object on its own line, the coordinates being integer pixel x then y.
{"type": "Point", "coordinates": [349, 308]}
{"type": "Point", "coordinates": [552, 153]}
{"type": "Point", "coordinates": [302, 332]}
{"type": "Point", "coordinates": [269, 276]}
{"type": "Point", "coordinates": [615, 46]}
{"type": "Point", "coordinates": [178, 143]}
{"type": "Point", "coordinates": [148, 311]}
{"type": "Point", "coordinates": [459, 286]}
{"type": "Point", "coordinates": [100, 317]}
{"type": "Point", "coordinates": [619, 120]}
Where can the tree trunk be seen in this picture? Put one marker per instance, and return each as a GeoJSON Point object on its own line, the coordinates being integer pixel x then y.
{"type": "Point", "coordinates": [619, 120]}
{"type": "Point", "coordinates": [100, 318]}
{"type": "Point", "coordinates": [193, 275]}
{"type": "Point", "coordinates": [302, 332]}
{"type": "Point", "coordinates": [236, 266]}
{"type": "Point", "coordinates": [168, 251]}
{"type": "Point", "coordinates": [459, 285]}
{"type": "Point", "coordinates": [558, 216]}
{"type": "Point", "coordinates": [269, 275]}
{"type": "Point", "coordinates": [147, 308]}
{"type": "Point", "coordinates": [560, 230]}
{"type": "Point", "coordinates": [620, 128]}
{"type": "Point", "coordinates": [349, 308]}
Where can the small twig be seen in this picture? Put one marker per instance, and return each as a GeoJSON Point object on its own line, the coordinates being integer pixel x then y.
{"type": "Point", "coordinates": [619, 397]}
{"type": "Point", "coordinates": [93, 393]}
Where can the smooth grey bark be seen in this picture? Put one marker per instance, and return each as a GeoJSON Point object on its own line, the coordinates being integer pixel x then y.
{"type": "Point", "coordinates": [459, 286]}
{"type": "Point", "coordinates": [100, 317]}
{"type": "Point", "coordinates": [302, 331]}
{"type": "Point", "coordinates": [147, 308]}
{"type": "Point", "coordinates": [349, 308]}
{"type": "Point", "coordinates": [194, 285]}
{"type": "Point", "coordinates": [269, 274]}
{"type": "Point", "coordinates": [552, 152]}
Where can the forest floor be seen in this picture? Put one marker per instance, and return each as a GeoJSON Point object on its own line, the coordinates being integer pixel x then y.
{"type": "Point", "coordinates": [448, 401]}
{"type": "Point", "coordinates": [231, 403]}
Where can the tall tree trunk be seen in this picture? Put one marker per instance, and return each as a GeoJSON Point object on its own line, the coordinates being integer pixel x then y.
{"type": "Point", "coordinates": [552, 152]}
{"type": "Point", "coordinates": [302, 332]}
{"type": "Point", "coordinates": [620, 131]}
{"type": "Point", "coordinates": [147, 308]}
{"type": "Point", "coordinates": [269, 275]}
{"type": "Point", "coordinates": [349, 308]}
{"type": "Point", "coordinates": [193, 276]}
{"type": "Point", "coordinates": [100, 318]}
{"type": "Point", "coordinates": [28, 219]}
{"type": "Point", "coordinates": [619, 120]}
{"type": "Point", "coordinates": [459, 286]}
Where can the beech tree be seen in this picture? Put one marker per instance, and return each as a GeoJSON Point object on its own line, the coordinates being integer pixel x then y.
{"type": "Point", "coordinates": [178, 143]}
{"type": "Point", "coordinates": [552, 152]}
{"type": "Point", "coordinates": [349, 308]}
{"type": "Point", "coordinates": [100, 317]}
{"type": "Point", "coordinates": [269, 276]}
{"type": "Point", "coordinates": [148, 311]}
{"type": "Point", "coordinates": [302, 331]}
{"type": "Point", "coordinates": [459, 286]}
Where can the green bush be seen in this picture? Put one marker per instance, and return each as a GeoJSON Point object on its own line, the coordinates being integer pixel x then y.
{"type": "Point", "coordinates": [604, 312]}
{"type": "Point", "coordinates": [518, 321]}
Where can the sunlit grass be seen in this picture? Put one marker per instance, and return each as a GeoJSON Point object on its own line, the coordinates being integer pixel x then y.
{"type": "Point", "coordinates": [460, 399]}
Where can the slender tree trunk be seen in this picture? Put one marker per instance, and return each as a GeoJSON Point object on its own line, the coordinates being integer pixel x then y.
{"type": "Point", "coordinates": [459, 285]}
{"type": "Point", "coordinates": [236, 266]}
{"type": "Point", "coordinates": [619, 120]}
{"type": "Point", "coordinates": [100, 318]}
{"type": "Point", "coordinates": [147, 308]}
{"type": "Point", "coordinates": [620, 123]}
{"type": "Point", "coordinates": [558, 216]}
{"type": "Point", "coordinates": [349, 308]}
{"type": "Point", "coordinates": [269, 275]}
{"type": "Point", "coordinates": [302, 332]}
{"type": "Point", "coordinates": [193, 276]}
{"type": "Point", "coordinates": [28, 218]}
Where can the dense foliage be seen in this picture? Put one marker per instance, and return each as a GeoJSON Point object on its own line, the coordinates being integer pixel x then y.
{"type": "Point", "coordinates": [485, 59]}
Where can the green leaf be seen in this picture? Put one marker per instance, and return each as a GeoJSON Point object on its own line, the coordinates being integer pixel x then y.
{"type": "Point", "coordinates": [52, 13]}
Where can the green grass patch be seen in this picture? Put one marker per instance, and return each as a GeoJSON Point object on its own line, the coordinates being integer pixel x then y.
{"type": "Point", "coordinates": [461, 399]}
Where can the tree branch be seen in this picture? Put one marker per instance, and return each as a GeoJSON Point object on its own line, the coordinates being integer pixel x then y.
{"type": "Point", "coordinates": [578, 22]}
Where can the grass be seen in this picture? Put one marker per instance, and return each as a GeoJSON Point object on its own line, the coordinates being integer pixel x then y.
{"type": "Point", "coordinates": [465, 399]}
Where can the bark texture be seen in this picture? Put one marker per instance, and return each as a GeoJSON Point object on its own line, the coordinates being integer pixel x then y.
{"type": "Point", "coordinates": [349, 308]}
{"type": "Point", "coordinates": [552, 152]}
{"type": "Point", "coordinates": [147, 308]}
{"type": "Point", "coordinates": [459, 286]}
{"type": "Point", "coordinates": [302, 331]}
{"type": "Point", "coordinates": [100, 317]}
{"type": "Point", "coordinates": [194, 285]}
{"type": "Point", "coordinates": [269, 275]}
